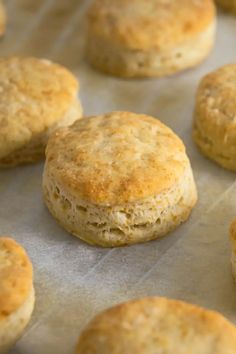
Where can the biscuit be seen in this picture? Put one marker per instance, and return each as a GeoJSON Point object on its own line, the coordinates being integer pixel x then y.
{"type": "Point", "coordinates": [118, 179]}
{"type": "Point", "coordinates": [215, 116]}
{"type": "Point", "coordinates": [3, 18]}
{"type": "Point", "coordinates": [228, 5]}
{"type": "Point", "coordinates": [232, 233]}
{"type": "Point", "coordinates": [143, 38]}
{"type": "Point", "coordinates": [16, 292]}
{"type": "Point", "coordinates": [37, 97]}
{"type": "Point", "coordinates": [158, 325]}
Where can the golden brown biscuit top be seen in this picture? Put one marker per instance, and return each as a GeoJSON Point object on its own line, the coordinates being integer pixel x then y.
{"type": "Point", "coordinates": [15, 276]}
{"type": "Point", "coordinates": [34, 94]}
{"type": "Point", "coordinates": [158, 325]}
{"type": "Point", "coordinates": [152, 24]}
{"type": "Point", "coordinates": [216, 97]}
{"type": "Point", "coordinates": [116, 158]}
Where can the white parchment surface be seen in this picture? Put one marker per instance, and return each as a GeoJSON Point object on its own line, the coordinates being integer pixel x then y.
{"type": "Point", "coordinates": [73, 280]}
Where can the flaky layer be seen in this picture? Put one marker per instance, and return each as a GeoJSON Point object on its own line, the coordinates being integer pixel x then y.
{"type": "Point", "coordinates": [158, 325]}
{"type": "Point", "coordinates": [116, 60]}
{"type": "Point", "coordinates": [142, 221]}
{"type": "Point", "coordinates": [34, 150]}
{"type": "Point", "coordinates": [12, 327]}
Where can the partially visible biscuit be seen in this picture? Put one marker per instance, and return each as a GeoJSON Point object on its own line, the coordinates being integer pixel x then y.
{"type": "Point", "coordinates": [232, 232]}
{"type": "Point", "coordinates": [142, 38]}
{"type": "Point", "coordinates": [157, 325]}
{"type": "Point", "coordinates": [118, 179]}
{"type": "Point", "coordinates": [215, 116]}
{"type": "Point", "coordinates": [3, 18]}
{"type": "Point", "coordinates": [228, 5]}
{"type": "Point", "coordinates": [16, 292]}
{"type": "Point", "coordinates": [36, 97]}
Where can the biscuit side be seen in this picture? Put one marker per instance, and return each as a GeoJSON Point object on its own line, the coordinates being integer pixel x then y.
{"type": "Point", "coordinates": [115, 60]}
{"type": "Point", "coordinates": [12, 326]}
{"type": "Point", "coordinates": [121, 225]}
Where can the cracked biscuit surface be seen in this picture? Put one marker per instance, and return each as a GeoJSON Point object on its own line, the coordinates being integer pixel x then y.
{"type": "Point", "coordinates": [160, 326]}
{"type": "Point", "coordinates": [215, 116]}
{"type": "Point", "coordinates": [16, 292]}
{"type": "Point", "coordinates": [36, 97]}
{"type": "Point", "coordinates": [149, 38]}
{"type": "Point", "coordinates": [118, 179]}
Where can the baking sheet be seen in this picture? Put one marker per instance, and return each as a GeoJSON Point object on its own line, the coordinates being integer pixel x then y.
{"type": "Point", "coordinates": [73, 280]}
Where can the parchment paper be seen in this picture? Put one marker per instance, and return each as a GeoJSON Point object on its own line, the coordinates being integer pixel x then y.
{"type": "Point", "coordinates": [73, 280]}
